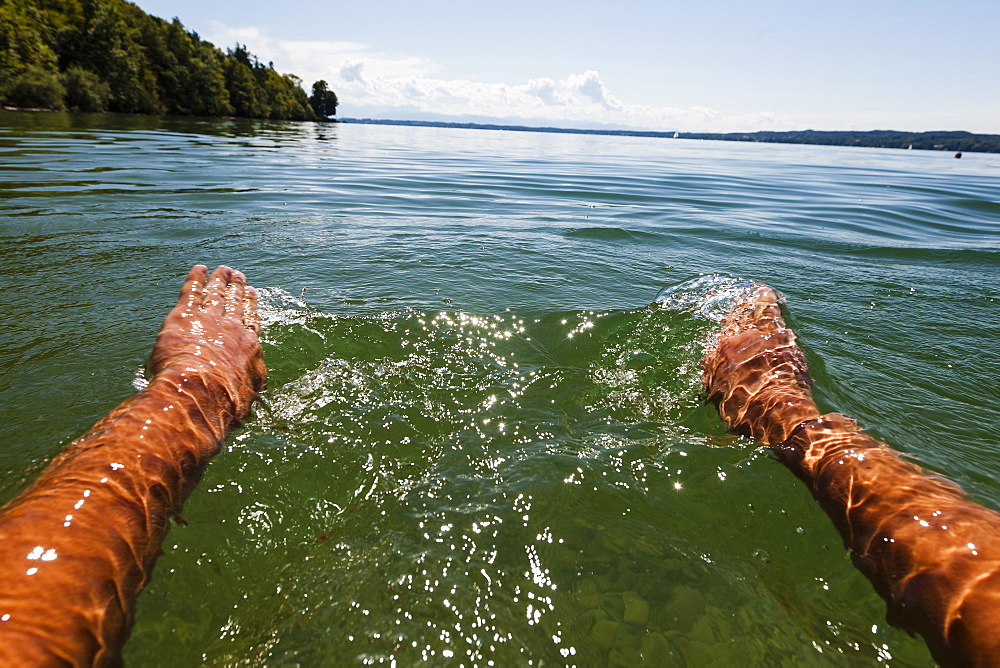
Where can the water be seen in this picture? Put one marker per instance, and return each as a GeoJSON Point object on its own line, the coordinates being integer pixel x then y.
{"type": "Point", "coordinates": [480, 442]}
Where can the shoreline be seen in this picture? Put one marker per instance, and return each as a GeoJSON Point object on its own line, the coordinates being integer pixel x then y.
{"type": "Point", "coordinates": [125, 113]}
{"type": "Point", "coordinates": [952, 141]}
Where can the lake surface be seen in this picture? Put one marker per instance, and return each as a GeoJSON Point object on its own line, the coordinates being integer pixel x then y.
{"type": "Point", "coordinates": [480, 443]}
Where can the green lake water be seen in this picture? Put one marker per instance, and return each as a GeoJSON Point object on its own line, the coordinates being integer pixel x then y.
{"type": "Point", "coordinates": [480, 443]}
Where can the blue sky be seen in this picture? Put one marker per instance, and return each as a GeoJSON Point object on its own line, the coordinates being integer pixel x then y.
{"type": "Point", "coordinates": [697, 65]}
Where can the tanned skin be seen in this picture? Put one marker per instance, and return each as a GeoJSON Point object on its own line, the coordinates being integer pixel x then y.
{"type": "Point", "coordinates": [78, 545]}
{"type": "Point", "coordinates": [930, 552]}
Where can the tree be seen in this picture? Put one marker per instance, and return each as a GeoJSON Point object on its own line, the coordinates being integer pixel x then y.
{"type": "Point", "coordinates": [107, 44]}
{"type": "Point", "coordinates": [37, 88]}
{"type": "Point", "coordinates": [242, 88]}
{"type": "Point", "coordinates": [323, 100]}
{"type": "Point", "coordinates": [84, 90]}
{"type": "Point", "coordinates": [95, 55]}
{"type": "Point", "coordinates": [23, 46]}
{"type": "Point", "coordinates": [285, 97]}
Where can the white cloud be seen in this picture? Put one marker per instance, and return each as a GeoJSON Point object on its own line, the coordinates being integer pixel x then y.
{"type": "Point", "coordinates": [590, 85]}
{"type": "Point", "coordinates": [372, 83]}
{"type": "Point", "coordinates": [351, 71]}
{"type": "Point", "coordinates": [314, 60]}
{"type": "Point", "coordinates": [545, 90]}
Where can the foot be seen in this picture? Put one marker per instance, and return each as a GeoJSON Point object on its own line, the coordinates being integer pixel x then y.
{"type": "Point", "coordinates": [213, 332]}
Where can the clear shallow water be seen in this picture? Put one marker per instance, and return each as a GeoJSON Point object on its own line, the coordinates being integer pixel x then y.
{"type": "Point", "coordinates": [479, 442]}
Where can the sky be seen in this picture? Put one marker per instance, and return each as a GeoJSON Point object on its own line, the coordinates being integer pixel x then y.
{"type": "Point", "coordinates": [665, 65]}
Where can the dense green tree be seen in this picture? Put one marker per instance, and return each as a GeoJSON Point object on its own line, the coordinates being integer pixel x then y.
{"type": "Point", "coordinates": [323, 100]}
{"type": "Point", "coordinates": [110, 48]}
{"type": "Point", "coordinates": [242, 88]}
{"type": "Point", "coordinates": [23, 42]}
{"type": "Point", "coordinates": [37, 88]}
{"type": "Point", "coordinates": [189, 72]}
{"type": "Point", "coordinates": [84, 91]}
{"type": "Point", "coordinates": [109, 54]}
{"type": "Point", "coordinates": [285, 97]}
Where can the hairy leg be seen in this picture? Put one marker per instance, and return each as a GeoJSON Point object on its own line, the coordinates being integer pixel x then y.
{"type": "Point", "coordinates": [931, 553]}
{"type": "Point", "coordinates": [78, 545]}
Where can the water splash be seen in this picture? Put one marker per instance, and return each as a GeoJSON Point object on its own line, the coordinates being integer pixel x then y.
{"type": "Point", "coordinates": [278, 306]}
{"type": "Point", "coordinates": [140, 381]}
{"type": "Point", "coordinates": [710, 296]}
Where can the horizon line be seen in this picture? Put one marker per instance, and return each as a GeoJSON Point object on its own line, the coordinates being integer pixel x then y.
{"type": "Point", "coordinates": [761, 136]}
{"type": "Point", "coordinates": [636, 131]}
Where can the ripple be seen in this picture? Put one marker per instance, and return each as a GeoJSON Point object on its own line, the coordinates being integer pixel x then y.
{"type": "Point", "coordinates": [471, 400]}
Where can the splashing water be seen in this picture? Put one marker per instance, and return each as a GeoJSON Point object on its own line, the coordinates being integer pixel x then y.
{"type": "Point", "coordinates": [501, 486]}
{"type": "Point", "coordinates": [710, 296]}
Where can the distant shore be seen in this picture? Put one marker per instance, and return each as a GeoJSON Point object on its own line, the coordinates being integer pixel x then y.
{"type": "Point", "coordinates": [958, 142]}
{"type": "Point", "coordinates": [952, 141]}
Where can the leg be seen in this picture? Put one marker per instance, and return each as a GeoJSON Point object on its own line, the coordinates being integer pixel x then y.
{"type": "Point", "coordinates": [79, 544]}
{"type": "Point", "coordinates": [932, 554]}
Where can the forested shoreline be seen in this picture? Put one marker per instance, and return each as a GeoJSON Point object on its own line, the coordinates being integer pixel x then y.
{"type": "Point", "coordinates": [940, 140]}
{"type": "Point", "coordinates": [110, 55]}
{"type": "Point", "coordinates": [933, 141]}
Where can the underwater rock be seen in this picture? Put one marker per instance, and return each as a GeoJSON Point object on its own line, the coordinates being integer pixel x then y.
{"type": "Point", "coordinates": [614, 606]}
{"type": "Point", "coordinates": [702, 631]}
{"type": "Point", "coordinates": [604, 633]}
{"type": "Point", "coordinates": [695, 652]}
{"type": "Point", "coordinates": [588, 594]}
{"type": "Point", "coordinates": [655, 650]}
{"type": "Point", "coordinates": [636, 608]}
{"type": "Point", "coordinates": [688, 603]}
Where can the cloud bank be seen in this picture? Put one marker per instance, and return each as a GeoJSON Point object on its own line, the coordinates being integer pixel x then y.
{"type": "Point", "coordinates": [370, 83]}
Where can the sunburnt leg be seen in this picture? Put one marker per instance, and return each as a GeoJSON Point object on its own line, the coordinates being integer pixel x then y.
{"type": "Point", "coordinates": [930, 552]}
{"type": "Point", "coordinates": [79, 544]}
